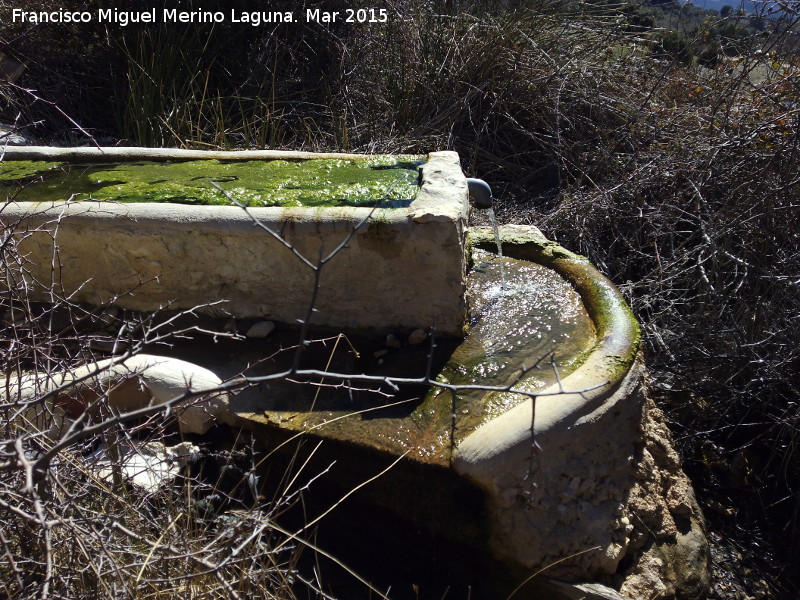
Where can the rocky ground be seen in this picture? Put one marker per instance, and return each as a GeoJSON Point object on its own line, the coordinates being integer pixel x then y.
{"type": "Point", "coordinates": [669, 557]}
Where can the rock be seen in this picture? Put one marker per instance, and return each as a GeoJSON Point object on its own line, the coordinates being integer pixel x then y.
{"type": "Point", "coordinates": [583, 591]}
{"type": "Point", "coordinates": [261, 329]}
{"type": "Point", "coordinates": [417, 337]}
{"type": "Point", "coordinates": [380, 353]}
{"type": "Point", "coordinates": [14, 136]}
{"type": "Point", "coordinates": [110, 318]}
{"type": "Point", "coordinates": [161, 379]}
{"type": "Point", "coordinates": [136, 382]}
{"type": "Point", "coordinates": [147, 466]}
{"type": "Point", "coordinates": [669, 552]}
{"type": "Point", "coordinates": [392, 341]}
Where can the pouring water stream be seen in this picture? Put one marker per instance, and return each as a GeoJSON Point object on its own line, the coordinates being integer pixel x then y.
{"type": "Point", "coordinates": [481, 197]}
{"type": "Point", "coordinates": [496, 229]}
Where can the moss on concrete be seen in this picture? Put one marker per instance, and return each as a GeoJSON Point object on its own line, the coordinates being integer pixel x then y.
{"type": "Point", "coordinates": [386, 181]}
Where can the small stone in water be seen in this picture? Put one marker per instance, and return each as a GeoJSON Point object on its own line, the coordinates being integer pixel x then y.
{"type": "Point", "coordinates": [417, 337]}
{"type": "Point", "coordinates": [261, 329]}
{"type": "Point", "coordinates": [381, 353]}
{"type": "Point", "coordinates": [392, 341]}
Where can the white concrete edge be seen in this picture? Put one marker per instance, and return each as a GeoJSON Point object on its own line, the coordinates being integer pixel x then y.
{"type": "Point", "coordinates": [122, 153]}
{"type": "Point", "coordinates": [609, 367]}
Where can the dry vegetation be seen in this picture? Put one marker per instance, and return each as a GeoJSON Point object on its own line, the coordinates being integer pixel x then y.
{"type": "Point", "coordinates": [680, 180]}
{"type": "Point", "coordinates": [68, 529]}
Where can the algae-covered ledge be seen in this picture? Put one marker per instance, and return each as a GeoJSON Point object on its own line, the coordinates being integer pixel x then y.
{"type": "Point", "coordinates": [403, 268]}
{"type": "Point", "coordinates": [384, 180]}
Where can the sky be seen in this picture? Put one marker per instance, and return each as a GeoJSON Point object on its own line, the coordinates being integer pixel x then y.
{"type": "Point", "coordinates": [718, 4]}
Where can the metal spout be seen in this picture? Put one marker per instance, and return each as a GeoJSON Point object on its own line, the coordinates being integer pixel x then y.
{"type": "Point", "coordinates": [480, 194]}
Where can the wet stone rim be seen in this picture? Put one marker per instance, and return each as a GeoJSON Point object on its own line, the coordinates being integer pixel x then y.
{"type": "Point", "coordinates": [618, 332]}
{"type": "Point", "coordinates": [557, 469]}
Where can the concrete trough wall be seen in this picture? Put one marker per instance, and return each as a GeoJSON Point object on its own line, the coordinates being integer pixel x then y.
{"type": "Point", "coordinates": [558, 470]}
{"type": "Point", "coordinates": [404, 268]}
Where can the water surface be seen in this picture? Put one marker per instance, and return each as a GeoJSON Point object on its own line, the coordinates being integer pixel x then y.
{"type": "Point", "coordinates": [385, 181]}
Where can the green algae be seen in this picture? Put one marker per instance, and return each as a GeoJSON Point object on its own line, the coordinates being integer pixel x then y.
{"type": "Point", "coordinates": [387, 181]}
{"type": "Point", "coordinates": [24, 169]}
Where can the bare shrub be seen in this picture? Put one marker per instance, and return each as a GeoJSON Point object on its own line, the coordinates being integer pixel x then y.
{"type": "Point", "coordinates": [697, 225]}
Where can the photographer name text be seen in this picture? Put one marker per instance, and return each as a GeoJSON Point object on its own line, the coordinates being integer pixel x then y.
{"type": "Point", "coordinates": [124, 18]}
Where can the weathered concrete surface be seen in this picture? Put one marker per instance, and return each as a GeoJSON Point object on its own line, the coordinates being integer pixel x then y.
{"type": "Point", "coordinates": [404, 268]}
{"type": "Point", "coordinates": [539, 316]}
{"type": "Point", "coordinates": [123, 154]}
{"type": "Point", "coordinates": [558, 500]}
{"type": "Point", "coordinates": [669, 552]}
{"type": "Point", "coordinates": [558, 479]}
{"type": "Point", "coordinates": [602, 482]}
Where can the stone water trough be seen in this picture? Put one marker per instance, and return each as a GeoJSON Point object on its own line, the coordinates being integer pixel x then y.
{"type": "Point", "coordinates": [147, 255]}
{"type": "Point", "coordinates": [528, 444]}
